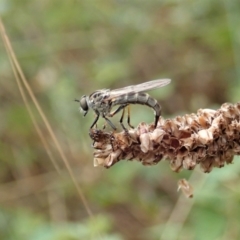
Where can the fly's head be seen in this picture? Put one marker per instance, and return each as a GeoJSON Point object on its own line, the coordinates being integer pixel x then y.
{"type": "Point", "coordinates": [83, 104]}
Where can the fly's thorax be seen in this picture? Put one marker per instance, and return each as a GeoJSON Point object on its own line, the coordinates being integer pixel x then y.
{"type": "Point", "coordinates": [97, 101]}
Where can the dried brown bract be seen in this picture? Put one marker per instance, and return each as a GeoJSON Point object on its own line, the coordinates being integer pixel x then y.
{"type": "Point", "coordinates": [186, 188]}
{"type": "Point", "coordinates": [209, 138]}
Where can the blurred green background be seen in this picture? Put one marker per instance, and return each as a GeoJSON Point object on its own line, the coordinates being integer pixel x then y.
{"type": "Point", "coordinates": [70, 48]}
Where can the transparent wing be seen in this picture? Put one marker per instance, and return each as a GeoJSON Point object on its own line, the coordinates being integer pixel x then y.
{"type": "Point", "coordinates": [143, 87]}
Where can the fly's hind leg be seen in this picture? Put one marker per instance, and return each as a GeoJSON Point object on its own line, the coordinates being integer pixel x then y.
{"type": "Point", "coordinates": [128, 118]}
{"type": "Point", "coordinates": [121, 120]}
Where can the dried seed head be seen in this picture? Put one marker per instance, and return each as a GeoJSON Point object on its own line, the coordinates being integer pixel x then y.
{"type": "Point", "coordinates": [209, 138]}
{"type": "Point", "coordinates": [145, 142]}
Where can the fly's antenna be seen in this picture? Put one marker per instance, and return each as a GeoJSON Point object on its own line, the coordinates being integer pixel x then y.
{"type": "Point", "coordinates": [76, 100]}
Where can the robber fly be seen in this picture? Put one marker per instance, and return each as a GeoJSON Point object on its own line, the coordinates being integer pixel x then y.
{"type": "Point", "coordinates": [102, 101]}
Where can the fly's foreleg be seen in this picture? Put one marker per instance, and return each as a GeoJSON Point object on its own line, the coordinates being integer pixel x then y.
{"type": "Point", "coordinates": [95, 121]}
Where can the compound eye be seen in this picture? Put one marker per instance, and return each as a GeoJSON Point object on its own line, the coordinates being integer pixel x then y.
{"type": "Point", "coordinates": [83, 104]}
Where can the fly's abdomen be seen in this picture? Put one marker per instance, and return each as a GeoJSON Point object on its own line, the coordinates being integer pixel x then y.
{"type": "Point", "coordinates": [138, 98]}
{"type": "Point", "coordinates": [153, 103]}
{"type": "Point", "coordinates": [145, 99]}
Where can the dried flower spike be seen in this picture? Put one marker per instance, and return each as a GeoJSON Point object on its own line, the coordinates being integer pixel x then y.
{"type": "Point", "coordinates": [209, 138]}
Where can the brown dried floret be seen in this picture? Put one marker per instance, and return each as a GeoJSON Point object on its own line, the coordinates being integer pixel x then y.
{"type": "Point", "coordinates": [186, 188]}
{"type": "Point", "coordinates": [209, 138]}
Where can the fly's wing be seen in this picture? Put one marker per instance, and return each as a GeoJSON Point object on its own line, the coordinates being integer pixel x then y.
{"type": "Point", "coordinates": [143, 87]}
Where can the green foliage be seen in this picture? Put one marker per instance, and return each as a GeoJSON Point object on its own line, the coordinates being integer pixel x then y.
{"type": "Point", "coordinates": [24, 225]}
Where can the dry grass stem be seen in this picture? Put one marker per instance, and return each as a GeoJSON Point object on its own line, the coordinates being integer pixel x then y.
{"type": "Point", "coordinates": [209, 138]}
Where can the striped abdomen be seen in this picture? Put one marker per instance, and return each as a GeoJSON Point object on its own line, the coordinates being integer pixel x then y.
{"type": "Point", "coordinates": [139, 98]}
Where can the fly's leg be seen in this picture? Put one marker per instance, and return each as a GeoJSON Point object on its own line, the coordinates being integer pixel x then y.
{"type": "Point", "coordinates": [110, 123]}
{"type": "Point", "coordinates": [121, 120]}
{"type": "Point", "coordinates": [93, 135]}
{"type": "Point", "coordinates": [118, 110]}
{"type": "Point", "coordinates": [95, 121]}
{"type": "Point", "coordinates": [128, 118]}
